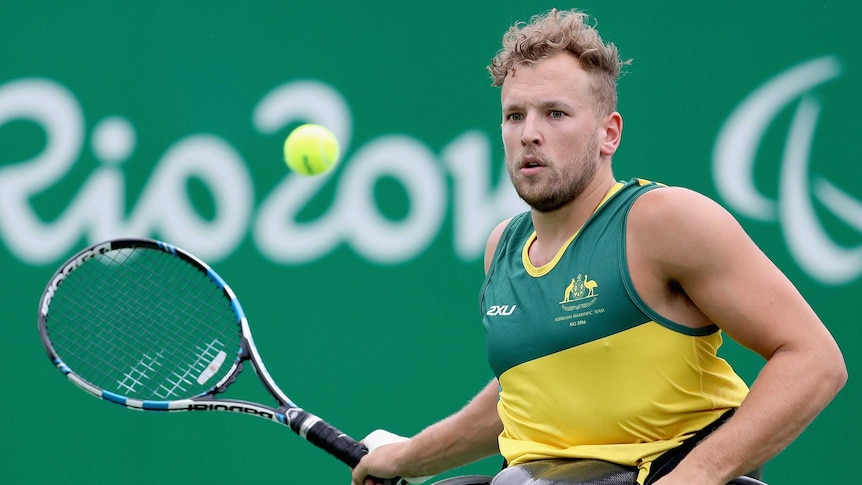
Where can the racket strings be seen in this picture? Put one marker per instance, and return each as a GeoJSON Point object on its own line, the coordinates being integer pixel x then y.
{"type": "Point", "coordinates": [144, 324]}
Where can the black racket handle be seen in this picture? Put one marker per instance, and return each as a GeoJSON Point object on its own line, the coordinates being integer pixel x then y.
{"type": "Point", "coordinates": [332, 440]}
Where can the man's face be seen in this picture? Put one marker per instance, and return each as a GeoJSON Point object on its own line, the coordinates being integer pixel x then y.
{"type": "Point", "coordinates": [550, 131]}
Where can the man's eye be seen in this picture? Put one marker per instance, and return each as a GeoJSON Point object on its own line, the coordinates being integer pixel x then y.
{"type": "Point", "coordinates": [515, 117]}
{"type": "Point", "coordinates": [557, 114]}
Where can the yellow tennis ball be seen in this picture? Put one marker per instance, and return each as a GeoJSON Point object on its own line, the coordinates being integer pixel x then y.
{"type": "Point", "coordinates": [311, 150]}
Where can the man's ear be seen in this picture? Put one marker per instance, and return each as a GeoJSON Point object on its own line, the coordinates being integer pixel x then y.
{"type": "Point", "coordinates": [610, 134]}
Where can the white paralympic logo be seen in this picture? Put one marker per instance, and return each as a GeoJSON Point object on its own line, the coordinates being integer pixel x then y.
{"type": "Point", "coordinates": [733, 170]}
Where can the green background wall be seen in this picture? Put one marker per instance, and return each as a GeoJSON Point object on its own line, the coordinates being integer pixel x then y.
{"type": "Point", "coordinates": [173, 113]}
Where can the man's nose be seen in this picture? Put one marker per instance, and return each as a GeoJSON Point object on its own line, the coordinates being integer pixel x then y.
{"type": "Point", "coordinates": [531, 134]}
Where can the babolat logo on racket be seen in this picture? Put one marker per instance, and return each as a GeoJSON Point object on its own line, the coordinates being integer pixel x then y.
{"type": "Point", "coordinates": [70, 266]}
{"type": "Point", "coordinates": [214, 406]}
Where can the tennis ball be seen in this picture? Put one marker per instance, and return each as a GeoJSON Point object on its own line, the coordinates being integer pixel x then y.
{"type": "Point", "coordinates": [311, 150]}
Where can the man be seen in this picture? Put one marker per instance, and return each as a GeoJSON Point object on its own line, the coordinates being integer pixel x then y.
{"type": "Point", "coordinates": [603, 303]}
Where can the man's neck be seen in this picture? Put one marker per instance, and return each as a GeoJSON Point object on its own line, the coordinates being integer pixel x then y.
{"type": "Point", "coordinates": [554, 228]}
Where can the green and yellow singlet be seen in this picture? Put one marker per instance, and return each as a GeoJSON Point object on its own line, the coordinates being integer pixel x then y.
{"type": "Point", "coordinates": [586, 368]}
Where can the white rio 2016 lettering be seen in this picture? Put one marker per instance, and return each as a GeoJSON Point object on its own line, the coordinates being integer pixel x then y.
{"type": "Point", "coordinates": [504, 310]}
{"type": "Point", "coordinates": [98, 211]}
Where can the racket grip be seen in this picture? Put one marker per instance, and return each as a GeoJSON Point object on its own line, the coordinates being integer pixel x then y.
{"type": "Point", "coordinates": [330, 439]}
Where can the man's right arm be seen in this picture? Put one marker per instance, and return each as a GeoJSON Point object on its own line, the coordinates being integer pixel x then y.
{"type": "Point", "coordinates": [467, 436]}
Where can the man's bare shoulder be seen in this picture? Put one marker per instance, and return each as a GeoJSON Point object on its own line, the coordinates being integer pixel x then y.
{"type": "Point", "coordinates": [493, 241]}
{"type": "Point", "coordinates": [675, 202]}
{"type": "Point", "coordinates": [678, 232]}
{"type": "Point", "coordinates": [674, 212]}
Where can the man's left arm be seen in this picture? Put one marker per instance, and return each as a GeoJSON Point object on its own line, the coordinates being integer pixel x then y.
{"type": "Point", "coordinates": [734, 284]}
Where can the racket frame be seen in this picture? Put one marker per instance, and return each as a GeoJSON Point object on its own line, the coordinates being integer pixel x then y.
{"type": "Point", "coordinates": [308, 426]}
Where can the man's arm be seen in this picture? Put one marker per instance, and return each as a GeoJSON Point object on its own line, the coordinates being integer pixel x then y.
{"type": "Point", "coordinates": [467, 436]}
{"type": "Point", "coordinates": [736, 286]}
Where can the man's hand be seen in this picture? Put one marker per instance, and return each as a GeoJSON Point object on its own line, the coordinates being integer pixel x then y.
{"type": "Point", "coordinates": [376, 466]}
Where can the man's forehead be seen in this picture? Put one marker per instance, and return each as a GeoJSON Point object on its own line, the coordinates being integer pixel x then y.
{"type": "Point", "coordinates": [559, 70]}
{"type": "Point", "coordinates": [546, 86]}
{"type": "Point", "coordinates": [535, 100]}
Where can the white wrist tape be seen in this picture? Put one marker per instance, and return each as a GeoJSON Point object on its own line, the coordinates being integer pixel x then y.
{"type": "Point", "coordinates": [381, 437]}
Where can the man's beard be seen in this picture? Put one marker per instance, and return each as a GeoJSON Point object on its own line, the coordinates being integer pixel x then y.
{"type": "Point", "coordinates": [554, 190]}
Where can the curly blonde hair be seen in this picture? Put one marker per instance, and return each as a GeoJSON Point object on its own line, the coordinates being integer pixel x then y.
{"type": "Point", "coordinates": [557, 31]}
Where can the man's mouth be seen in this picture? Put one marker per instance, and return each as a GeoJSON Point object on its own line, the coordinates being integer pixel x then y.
{"type": "Point", "coordinates": [531, 161]}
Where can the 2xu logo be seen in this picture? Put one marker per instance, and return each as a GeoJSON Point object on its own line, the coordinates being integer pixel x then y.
{"type": "Point", "coordinates": [503, 310]}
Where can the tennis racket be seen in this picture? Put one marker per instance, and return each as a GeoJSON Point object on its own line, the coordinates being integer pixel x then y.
{"type": "Point", "coordinates": [148, 326]}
